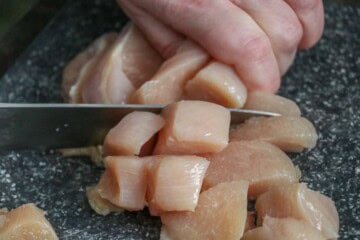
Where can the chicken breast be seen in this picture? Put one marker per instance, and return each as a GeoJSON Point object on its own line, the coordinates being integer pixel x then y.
{"type": "Point", "coordinates": [132, 133]}
{"type": "Point", "coordinates": [167, 85]}
{"type": "Point", "coordinates": [98, 204]}
{"type": "Point", "coordinates": [174, 183]}
{"type": "Point", "coordinates": [260, 163]}
{"type": "Point", "coordinates": [218, 83]}
{"type": "Point", "coordinates": [193, 127]}
{"type": "Point", "coordinates": [125, 65]}
{"type": "Point", "coordinates": [284, 229]}
{"type": "Point", "coordinates": [220, 214]}
{"type": "Point", "coordinates": [299, 202]}
{"type": "Point", "coordinates": [291, 134]}
{"type": "Point", "coordinates": [26, 222]}
{"type": "Point", "coordinates": [264, 101]}
{"type": "Point", "coordinates": [79, 69]}
{"type": "Point", "coordinates": [124, 182]}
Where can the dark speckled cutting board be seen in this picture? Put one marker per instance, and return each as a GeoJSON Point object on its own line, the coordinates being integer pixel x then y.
{"type": "Point", "coordinates": [324, 81]}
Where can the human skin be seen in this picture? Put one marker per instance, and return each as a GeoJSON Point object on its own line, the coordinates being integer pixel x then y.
{"type": "Point", "coordinates": [259, 38]}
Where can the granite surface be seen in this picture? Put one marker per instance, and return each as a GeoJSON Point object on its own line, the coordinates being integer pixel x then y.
{"type": "Point", "coordinates": [324, 81]}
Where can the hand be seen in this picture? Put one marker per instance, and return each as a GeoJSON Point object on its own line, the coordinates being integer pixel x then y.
{"type": "Point", "coordinates": [259, 37]}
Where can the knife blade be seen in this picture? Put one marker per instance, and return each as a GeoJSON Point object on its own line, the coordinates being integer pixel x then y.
{"type": "Point", "coordinates": [48, 126]}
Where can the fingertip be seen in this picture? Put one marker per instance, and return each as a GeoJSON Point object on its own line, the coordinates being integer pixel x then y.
{"type": "Point", "coordinates": [311, 16]}
{"type": "Point", "coordinates": [309, 41]}
{"type": "Point", "coordinates": [312, 37]}
{"type": "Point", "coordinates": [269, 82]}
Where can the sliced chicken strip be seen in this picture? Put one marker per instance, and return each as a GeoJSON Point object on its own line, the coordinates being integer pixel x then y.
{"type": "Point", "coordinates": [79, 69]}
{"type": "Point", "coordinates": [260, 163]}
{"type": "Point", "coordinates": [291, 134]}
{"type": "Point", "coordinates": [284, 229]}
{"type": "Point", "coordinates": [126, 65]}
{"type": "Point", "coordinates": [272, 103]}
{"type": "Point", "coordinates": [297, 201]}
{"type": "Point", "coordinates": [167, 85]}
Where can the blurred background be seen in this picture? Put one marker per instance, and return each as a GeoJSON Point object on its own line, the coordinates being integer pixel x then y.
{"type": "Point", "coordinates": [20, 22]}
{"type": "Point", "coordinates": [11, 11]}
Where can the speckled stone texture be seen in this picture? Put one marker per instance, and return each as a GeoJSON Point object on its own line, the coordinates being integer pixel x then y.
{"type": "Point", "coordinates": [324, 81]}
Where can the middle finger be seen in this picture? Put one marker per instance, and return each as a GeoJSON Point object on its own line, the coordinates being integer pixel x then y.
{"type": "Point", "coordinates": [280, 23]}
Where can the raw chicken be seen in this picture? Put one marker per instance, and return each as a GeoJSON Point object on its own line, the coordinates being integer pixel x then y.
{"type": "Point", "coordinates": [98, 204]}
{"type": "Point", "coordinates": [284, 229]}
{"type": "Point", "coordinates": [139, 60]}
{"type": "Point", "coordinates": [78, 70]}
{"type": "Point", "coordinates": [126, 64]}
{"type": "Point", "coordinates": [299, 202]}
{"type": "Point", "coordinates": [218, 83]}
{"type": "Point", "coordinates": [194, 127]}
{"type": "Point", "coordinates": [26, 222]}
{"type": "Point", "coordinates": [291, 134]}
{"type": "Point", "coordinates": [167, 85]}
{"type": "Point", "coordinates": [220, 214]}
{"type": "Point", "coordinates": [260, 163]}
{"type": "Point", "coordinates": [174, 183]}
{"type": "Point", "coordinates": [124, 182]}
{"type": "Point", "coordinates": [272, 103]}
{"type": "Point", "coordinates": [132, 133]}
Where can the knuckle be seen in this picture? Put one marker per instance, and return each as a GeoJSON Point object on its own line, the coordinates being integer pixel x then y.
{"type": "Point", "coordinates": [238, 2]}
{"type": "Point", "coordinates": [169, 49]}
{"type": "Point", "coordinates": [174, 9]}
{"type": "Point", "coordinates": [288, 36]}
{"type": "Point", "coordinates": [306, 5]}
{"type": "Point", "coordinates": [256, 49]}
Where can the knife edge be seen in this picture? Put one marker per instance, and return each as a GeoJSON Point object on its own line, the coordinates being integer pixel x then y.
{"type": "Point", "coordinates": [60, 125]}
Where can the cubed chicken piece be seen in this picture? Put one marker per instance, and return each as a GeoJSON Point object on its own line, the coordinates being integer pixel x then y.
{"type": "Point", "coordinates": [126, 65]}
{"type": "Point", "coordinates": [167, 85]}
{"type": "Point", "coordinates": [26, 222]}
{"type": "Point", "coordinates": [130, 135]}
{"type": "Point", "coordinates": [174, 183]}
{"type": "Point", "coordinates": [124, 182]}
{"type": "Point", "coordinates": [269, 102]}
{"type": "Point", "coordinates": [260, 163]}
{"type": "Point", "coordinates": [299, 202]}
{"type": "Point", "coordinates": [98, 204]}
{"type": "Point", "coordinates": [284, 229]}
{"type": "Point", "coordinates": [220, 214]}
{"type": "Point", "coordinates": [218, 83]}
{"type": "Point", "coordinates": [291, 134]}
{"type": "Point", "coordinates": [79, 70]}
{"type": "Point", "coordinates": [194, 127]}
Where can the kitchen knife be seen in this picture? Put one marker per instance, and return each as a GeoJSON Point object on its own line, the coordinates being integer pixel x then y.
{"type": "Point", "coordinates": [46, 126]}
